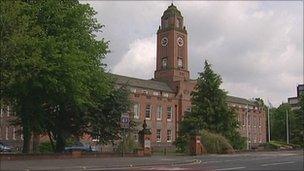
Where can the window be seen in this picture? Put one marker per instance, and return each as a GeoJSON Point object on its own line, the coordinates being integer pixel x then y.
{"type": "Point", "coordinates": [244, 119]}
{"type": "Point", "coordinates": [145, 91]}
{"type": "Point", "coordinates": [165, 23]}
{"type": "Point", "coordinates": [177, 23]}
{"type": "Point", "coordinates": [169, 113]}
{"type": "Point", "coordinates": [164, 63]}
{"type": "Point", "coordinates": [249, 119]}
{"type": "Point", "coordinates": [259, 122]}
{"type": "Point", "coordinates": [165, 94]}
{"type": "Point", "coordinates": [136, 110]}
{"type": "Point", "coordinates": [155, 93]}
{"type": "Point", "coordinates": [14, 133]}
{"type": "Point", "coordinates": [6, 133]}
{"type": "Point", "coordinates": [158, 137]}
{"type": "Point", "coordinates": [135, 137]}
{"type": "Point", "coordinates": [148, 111]}
{"type": "Point", "coordinates": [133, 90]}
{"type": "Point", "coordinates": [159, 112]}
{"type": "Point", "coordinates": [179, 62]}
{"type": "Point", "coordinates": [188, 110]}
{"type": "Point", "coordinates": [169, 135]}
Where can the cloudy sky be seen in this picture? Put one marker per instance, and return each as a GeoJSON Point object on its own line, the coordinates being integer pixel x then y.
{"type": "Point", "coordinates": [257, 47]}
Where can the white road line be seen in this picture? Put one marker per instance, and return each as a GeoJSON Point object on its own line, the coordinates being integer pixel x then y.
{"type": "Point", "coordinates": [231, 168]}
{"type": "Point", "coordinates": [272, 164]}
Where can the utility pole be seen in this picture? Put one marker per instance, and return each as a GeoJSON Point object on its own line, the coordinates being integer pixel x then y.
{"type": "Point", "coordinates": [287, 127]}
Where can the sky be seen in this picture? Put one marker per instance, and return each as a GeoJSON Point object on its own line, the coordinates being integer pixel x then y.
{"type": "Point", "coordinates": [256, 47]}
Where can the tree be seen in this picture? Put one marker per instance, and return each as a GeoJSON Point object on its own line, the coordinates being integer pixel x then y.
{"type": "Point", "coordinates": [295, 119]}
{"type": "Point", "coordinates": [104, 119]}
{"type": "Point", "coordinates": [278, 122]}
{"type": "Point", "coordinates": [209, 108]}
{"type": "Point", "coordinates": [51, 66]}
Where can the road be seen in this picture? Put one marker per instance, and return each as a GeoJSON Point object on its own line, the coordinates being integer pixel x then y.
{"type": "Point", "coordinates": [279, 160]}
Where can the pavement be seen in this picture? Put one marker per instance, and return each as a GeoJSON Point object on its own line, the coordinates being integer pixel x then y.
{"type": "Point", "coordinates": [278, 160]}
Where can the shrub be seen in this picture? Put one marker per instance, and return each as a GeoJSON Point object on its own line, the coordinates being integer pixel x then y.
{"type": "Point", "coordinates": [237, 141]}
{"type": "Point", "coordinates": [182, 144]}
{"type": "Point", "coordinates": [129, 145]}
{"type": "Point", "coordinates": [45, 147]}
{"type": "Point", "coordinates": [215, 143]}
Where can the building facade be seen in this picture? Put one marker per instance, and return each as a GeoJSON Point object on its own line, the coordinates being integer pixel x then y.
{"type": "Point", "coordinates": [163, 100]}
{"type": "Point", "coordinates": [294, 101]}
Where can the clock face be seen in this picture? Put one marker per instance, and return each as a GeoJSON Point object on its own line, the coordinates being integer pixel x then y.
{"type": "Point", "coordinates": [180, 41]}
{"type": "Point", "coordinates": [164, 41]}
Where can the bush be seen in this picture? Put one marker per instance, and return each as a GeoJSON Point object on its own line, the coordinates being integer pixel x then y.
{"type": "Point", "coordinates": [45, 147]}
{"type": "Point", "coordinates": [273, 145]}
{"type": "Point", "coordinates": [215, 143]}
{"type": "Point", "coordinates": [129, 145]}
{"type": "Point", "coordinates": [182, 144]}
{"type": "Point", "coordinates": [237, 141]}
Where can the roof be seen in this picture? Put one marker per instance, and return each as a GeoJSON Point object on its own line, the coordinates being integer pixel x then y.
{"type": "Point", "coordinates": [172, 11]}
{"type": "Point", "coordinates": [136, 82]}
{"type": "Point", "coordinates": [238, 100]}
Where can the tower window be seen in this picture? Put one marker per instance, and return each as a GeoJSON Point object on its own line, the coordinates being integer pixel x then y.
{"type": "Point", "coordinates": [164, 63]}
{"type": "Point", "coordinates": [165, 23]}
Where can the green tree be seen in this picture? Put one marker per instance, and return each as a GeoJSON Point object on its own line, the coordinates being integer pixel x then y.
{"type": "Point", "coordinates": [104, 119]}
{"type": "Point", "coordinates": [209, 108]}
{"type": "Point", "coordinates": [51, 66]}
{"type": "Point", "coordinates": [297, 129]}
{"type": "Point", "coordinates": [278, 122]}
{"type": "Point", "coordinates": [279, 127]}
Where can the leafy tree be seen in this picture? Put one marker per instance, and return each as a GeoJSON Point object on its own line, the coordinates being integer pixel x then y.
{"type": "Point", "coordinates": [104, 119]}
{"type": "Point", "coordinates": [209, 108]}
{"type": "Point", "coordinates": [51, 66]}
{"type": "Point", "coordinates": [278, 122]}
{"type": "Point", "coordinates": [295, 119]}
{"type": "Point", "coordinates": [297, 129]}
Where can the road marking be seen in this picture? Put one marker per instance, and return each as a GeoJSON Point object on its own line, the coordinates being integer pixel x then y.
{"type": "Point", "coordinates": [231, 168]}
{"type": "Point", "coordinates": [272, 164]}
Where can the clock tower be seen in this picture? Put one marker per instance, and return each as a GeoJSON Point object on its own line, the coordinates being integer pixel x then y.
{"type": "Point", "coordinates": [172, 47]}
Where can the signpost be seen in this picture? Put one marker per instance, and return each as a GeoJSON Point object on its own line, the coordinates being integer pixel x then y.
{"type": "Point", "coordinates": [124, 124]}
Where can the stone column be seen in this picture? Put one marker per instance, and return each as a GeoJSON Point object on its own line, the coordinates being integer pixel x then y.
{"type": "Point", "coordinates": [196, 146]}
{"type": "Point", "coordinates": [145, 140]}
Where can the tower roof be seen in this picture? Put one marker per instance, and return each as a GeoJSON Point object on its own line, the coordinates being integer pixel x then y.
{"type": "Point", "coordinates": [172, 11]}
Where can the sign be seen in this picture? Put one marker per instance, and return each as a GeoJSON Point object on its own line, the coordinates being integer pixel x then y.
{"type": "Point", "coordinates": [147, 143]}
{"type": "Point", "coordinates": [125, 121]}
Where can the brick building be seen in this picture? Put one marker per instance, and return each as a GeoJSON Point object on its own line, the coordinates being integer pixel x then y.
{"type": "Point", "coordinates": [294, 101]}
{"type": "Point", "coordinates": [163, 100]}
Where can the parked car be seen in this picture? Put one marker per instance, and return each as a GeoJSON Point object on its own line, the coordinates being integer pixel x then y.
{"type": "Point", "coordinates": [79, 146]}
{"type": "Point", "coordinates": [5, 148]}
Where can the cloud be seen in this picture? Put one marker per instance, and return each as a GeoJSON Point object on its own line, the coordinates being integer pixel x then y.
{"type": "Point", "coordinates": [139, 57]}
{"type": "Point", "coordinates": [257, 47]}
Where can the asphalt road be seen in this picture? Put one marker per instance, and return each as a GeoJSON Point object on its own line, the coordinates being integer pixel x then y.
{"type": "Point", "coordinates": [280, 160]}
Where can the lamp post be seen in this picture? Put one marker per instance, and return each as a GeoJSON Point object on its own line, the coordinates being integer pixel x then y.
{"type": "Point", "coordinates": [287, 127]}
{"type": "Point", "coordinates": [247, 131]}
{"type": "Point", "coordinates": [268, 124]}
